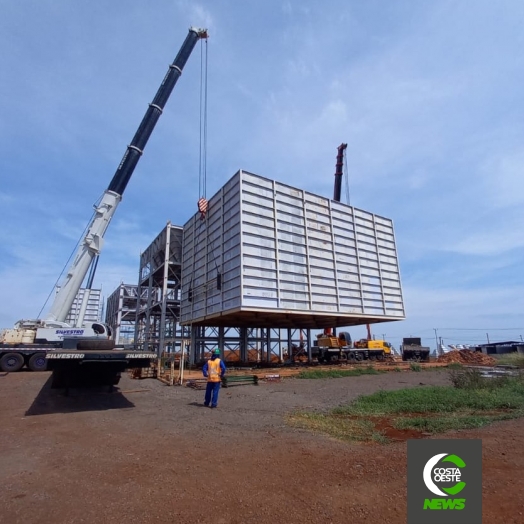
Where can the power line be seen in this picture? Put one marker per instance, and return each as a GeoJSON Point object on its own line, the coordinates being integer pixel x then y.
{"type": "Point", "coordinates": [481, 329]}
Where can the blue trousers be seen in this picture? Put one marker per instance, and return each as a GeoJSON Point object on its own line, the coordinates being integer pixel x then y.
{"type": "Point", "coordinates": [212, 388]}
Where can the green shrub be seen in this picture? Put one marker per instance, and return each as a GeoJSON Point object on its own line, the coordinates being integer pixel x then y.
{"type": "Point", "coordinates": [473, 379]}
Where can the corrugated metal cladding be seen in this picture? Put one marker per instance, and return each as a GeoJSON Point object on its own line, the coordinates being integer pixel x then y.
{"type": "Point", "coordinates": [288, 258]}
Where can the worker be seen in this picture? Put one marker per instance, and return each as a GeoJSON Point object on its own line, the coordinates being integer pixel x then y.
{"type": "Point", "coordinates": [214, 369]}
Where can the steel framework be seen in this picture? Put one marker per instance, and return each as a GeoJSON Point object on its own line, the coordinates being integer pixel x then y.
{"type": "Point", "coordinates": [250, 345]}
{"type": "Point", "coordinates": [157, 325]}
{"type": "Point", "coordinates": [148, 314]}
{"type": "Point", "coordinates": [121, 310]}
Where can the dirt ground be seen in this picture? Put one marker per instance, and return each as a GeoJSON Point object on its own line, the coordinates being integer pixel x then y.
{"type": "Point", "coordinates": [150, 453]}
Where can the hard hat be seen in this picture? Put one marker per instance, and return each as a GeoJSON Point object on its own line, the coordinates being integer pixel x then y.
{"type": "Point", "coordinates": [216, 351]}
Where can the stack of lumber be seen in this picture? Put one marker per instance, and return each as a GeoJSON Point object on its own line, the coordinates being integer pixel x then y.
{"type": "Point", "coordinates": [138, 373]}
{"type": "Point", "coordinates": [253, 355]}
{"type": "Point", "coordinates": [466, 356]}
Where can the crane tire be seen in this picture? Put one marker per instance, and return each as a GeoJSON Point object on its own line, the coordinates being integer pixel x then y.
{"type": "Point", "coordinates": [96, 345]}
{"type": "Point", "coordinates": [37, 362]}
{"type": "Point", "coordinates": [11, 362]}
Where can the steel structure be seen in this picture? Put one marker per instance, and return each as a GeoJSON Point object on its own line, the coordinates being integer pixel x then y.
{"type": "Point", "coordinates": [157, 325]}
{"type": "Point", "coordinates": [152, 310]}
{"type": "Point", "coordinates": [122, 306]}
{"type": "Point", "coordinates": [250, 345]}
{"type": "Point", "coordinates": [271, 255]}
{"type": "Point", "coordinates": [265, 265]}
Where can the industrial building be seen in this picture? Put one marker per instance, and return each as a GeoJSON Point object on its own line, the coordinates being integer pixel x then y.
{"type": "Point", "coordinates": [267, 264]}
{"type": "Point", "coordinates": [500, 348]}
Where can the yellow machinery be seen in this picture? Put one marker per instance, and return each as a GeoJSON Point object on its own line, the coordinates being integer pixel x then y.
{"type": "Point", "coordinates": [329, 347]}
{"type": "Point", "coordinates": [377, 349]}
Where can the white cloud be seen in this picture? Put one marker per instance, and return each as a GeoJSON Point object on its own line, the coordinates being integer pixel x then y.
{"type": "Point", "coordinates": [201, 16]}
{"type": "Point", "coordinates": [503, 180]}
{"type": "Point", "coordinates": [495, 240]}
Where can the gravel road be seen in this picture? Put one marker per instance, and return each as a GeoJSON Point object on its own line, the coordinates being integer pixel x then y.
{"type": "Point", "coordinates": [152, 453]}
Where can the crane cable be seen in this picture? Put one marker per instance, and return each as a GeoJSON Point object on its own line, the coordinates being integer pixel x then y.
{"type": "Point", "coordinates": [75, 249]}
{"type": "Point", "coordinates": [202, 161]}
{"type": "Point", "coordinates": [203, 204]}
{"type": "Point", "coordinates": [346, 177]}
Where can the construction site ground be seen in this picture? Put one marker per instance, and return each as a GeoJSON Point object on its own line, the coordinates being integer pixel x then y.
{"type": "Point", "coordinates": [149, 453]}
{"type": "Point", "coordinates": [169, 375]}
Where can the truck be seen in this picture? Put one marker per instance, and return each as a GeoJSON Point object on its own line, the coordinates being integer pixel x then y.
{"type": "Point", "coordinates": [29, 341]}
{"type": "Point", "coordinates": [330, 348]}
{"type": "Point", "coordinates": [413, 350]}
{"type": "Point", "coordinates": [85, 354]}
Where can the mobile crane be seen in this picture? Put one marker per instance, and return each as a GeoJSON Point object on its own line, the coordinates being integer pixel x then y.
{"type": "Point", "coordinates": [51, 343]}
{"type": "Point", "coordinates": [328, 346]}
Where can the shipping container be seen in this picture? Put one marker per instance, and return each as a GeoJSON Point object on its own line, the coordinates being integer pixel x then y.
{"type": "Point", "coordinates": [271, 255]}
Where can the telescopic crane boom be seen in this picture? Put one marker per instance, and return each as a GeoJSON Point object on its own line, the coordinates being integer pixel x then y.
{"type": "Point", "coordinates": [94, 239]}
{"type": "Point", "coordinates": [338, 172]}
{"type": "Point", "coordinates": [337, 191]}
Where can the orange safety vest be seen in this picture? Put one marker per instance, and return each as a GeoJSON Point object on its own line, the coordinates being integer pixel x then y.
{"type": "Point", "coordinates": [213, 370]}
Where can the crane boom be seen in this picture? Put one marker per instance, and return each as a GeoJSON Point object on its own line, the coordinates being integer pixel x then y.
{"type": "Point", "coordinates": [104, 211]}
{"type": "Point", "coordinates": [338, 172]}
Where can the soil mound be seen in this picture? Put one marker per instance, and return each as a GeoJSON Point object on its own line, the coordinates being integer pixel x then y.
{"type": "Point", "coordinates": [466, 356]}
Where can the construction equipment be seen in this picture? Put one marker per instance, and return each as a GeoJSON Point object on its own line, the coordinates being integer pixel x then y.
{"type": "Point", "coordinates": [337, 190]}
{"type": "Point", "coordinates": [376, 349]}
{"type": "Point", "coordinates": [329, 348]}
{"type": "Point", "coordinates": [50, 342]}
{"type": "Point", "coordinates": [413, 350]}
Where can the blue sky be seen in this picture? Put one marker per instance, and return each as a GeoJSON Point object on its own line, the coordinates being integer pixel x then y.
{"type": "Point", "coordinates": [428, 96]}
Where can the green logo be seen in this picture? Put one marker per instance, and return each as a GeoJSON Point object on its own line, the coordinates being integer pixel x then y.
{"type": "Point", "coordinates": [434, 475]}
{"type": "Point", "coordinates": [444, 475]}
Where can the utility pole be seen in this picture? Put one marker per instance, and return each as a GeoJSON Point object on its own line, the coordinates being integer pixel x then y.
{"type": "Point", "coordinates": [487, 336]}
{"type": "Point", "coordinates": [436, 339]}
